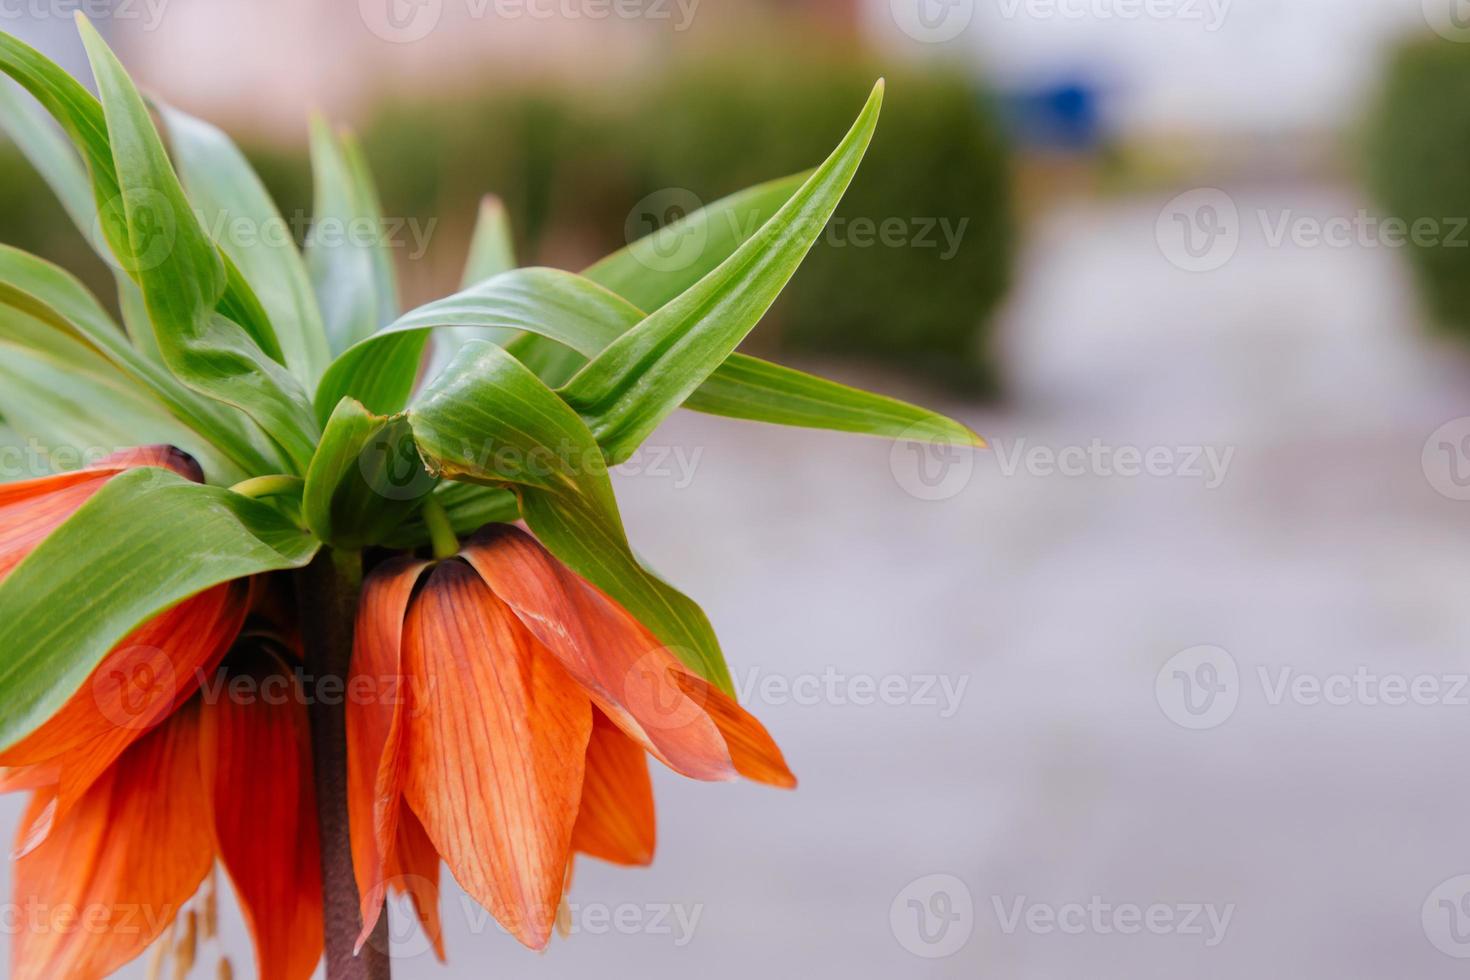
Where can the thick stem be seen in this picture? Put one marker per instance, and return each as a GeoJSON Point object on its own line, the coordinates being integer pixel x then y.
{"type": "Point", "coordinates": [326, 592]}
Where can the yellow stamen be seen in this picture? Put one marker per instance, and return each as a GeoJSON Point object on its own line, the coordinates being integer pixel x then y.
{"type": "Point", "coordinates": [161, 946]}
{"type": "Point", "coordinates": [211, 906]}
{"type": "Point", "coordinates": [187, 947]}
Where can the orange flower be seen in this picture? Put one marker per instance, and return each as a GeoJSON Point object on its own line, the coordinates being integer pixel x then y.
{"type": "Point", "coordinates": [500, 711]}
{"type": "Point", "coordinates": [32, 509]}
{"type": "Point", "coordinates": [138, 786]}
{"type": "Point", "coordinates": [225, 778]}
{"type": "Point", "coordinates": [140, 681]}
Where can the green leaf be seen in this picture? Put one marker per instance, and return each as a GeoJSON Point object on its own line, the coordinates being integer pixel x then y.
{"type": "Point", "coordinates": [184, 278]}
{"type": "Point", "coordinates": [573, 313]}
{"type": "Point", "coordinates": [488, 419]}
{"type": "Point", "coordinates": [53, 158]}
{"type": "Point", "coordinates": [491, 253]}
{"type": "Point", "coordinates": [469, 507]}
{"type": "Point", "coordinates": [348, 260]}
{"type": "Point", "coordinates": [380, 371]}
{"type": "Point", "coordinates": [242, 219]}
{"type": "Point", "coordinates": [755, 390]}
{"type": "Point", "coordinates": [77, 405]}
{"type": "Point", "coordinates": [49, 296]}
{"type": "Point", "coordinates": [144, 542]}
{"type": "Point", "coordinates": [366, 479]}
{"type": "Point", "coordinates": [659, 266]}
{"type": "Point", "coordinates": [628, 389]}
{"type": "Point", "coordinates": [84, 120]}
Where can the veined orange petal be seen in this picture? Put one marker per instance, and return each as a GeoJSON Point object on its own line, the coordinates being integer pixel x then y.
{"type": "Point", "coordinates": [619, 663]}
{"type": "Point", "coordinates": [114, 873]}
{"type": "Point", "coordinates": [31, 509]}
{"type": "Point", "coordinates": [137, 685]}
{"type": "Point", "coordinates": [616, 819]}
{"type": "Point", "coordinates": [754, 752]}
{"type": "Point", "coordinates": [497, 740]}
{"type": "Point", "coordinates": [255, 760]}
{"type": "Point", "coordinates": [413, 869]}
{"type": "Point", "coordinates": [377, 692]}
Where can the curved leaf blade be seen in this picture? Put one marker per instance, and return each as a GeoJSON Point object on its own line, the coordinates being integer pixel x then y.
{"type": "Point", "coordinates": [146, 541]}
{"type": "Point", "coordinates": [184, 278]}
{"type": "Point", "coordinates": [488, 419]}
{"type": "Point", "coordinates": [245, 223]}
{"type": "Point", "coordinates": [629, 388]}
{"type": "Point", "coordinates": [365, 480]}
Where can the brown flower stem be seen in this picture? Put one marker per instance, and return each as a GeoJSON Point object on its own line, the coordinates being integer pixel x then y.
{"type": "Point", "coordinates": [326, 592]}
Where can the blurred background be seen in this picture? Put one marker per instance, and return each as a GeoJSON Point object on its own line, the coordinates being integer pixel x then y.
{"type": "Point", "coordinates": [1162, 684]}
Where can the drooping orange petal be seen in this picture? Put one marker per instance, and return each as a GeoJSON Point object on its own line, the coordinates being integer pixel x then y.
{"type": "Point", "coordinates": [31, 509]}
{"type": "Point", "coordinates": [137, 685]}
{"type": "Point", "coordinates": [114, 873]}
{"type": "Point", "coordinates": [377, 692]}
{"type": "Point", "coordinates": [622, 667]}
{"type": "Point", "coordinates": [497, 740]}
{"type": "Point", "coordinates": [413, 869]}
{"type": "Point", "coordinates": [754, 752]}
{"type": "Point", "coordinates": [255, 759]}
{"type": "Point", "coordinates": [616, 819]}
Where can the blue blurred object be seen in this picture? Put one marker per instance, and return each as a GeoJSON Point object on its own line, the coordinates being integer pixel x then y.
{"type": "Point", "coordinates": [1063, 115]}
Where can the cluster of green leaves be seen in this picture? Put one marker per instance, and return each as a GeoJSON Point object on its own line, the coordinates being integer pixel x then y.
{"type": "Point", "coordinates": [295, 369]}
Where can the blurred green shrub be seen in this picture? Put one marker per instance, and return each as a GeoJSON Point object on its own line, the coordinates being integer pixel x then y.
{"type": "Point", "coordinates": [910, 270]}
{"type": "Point", "coordinates": [1417, 142]}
